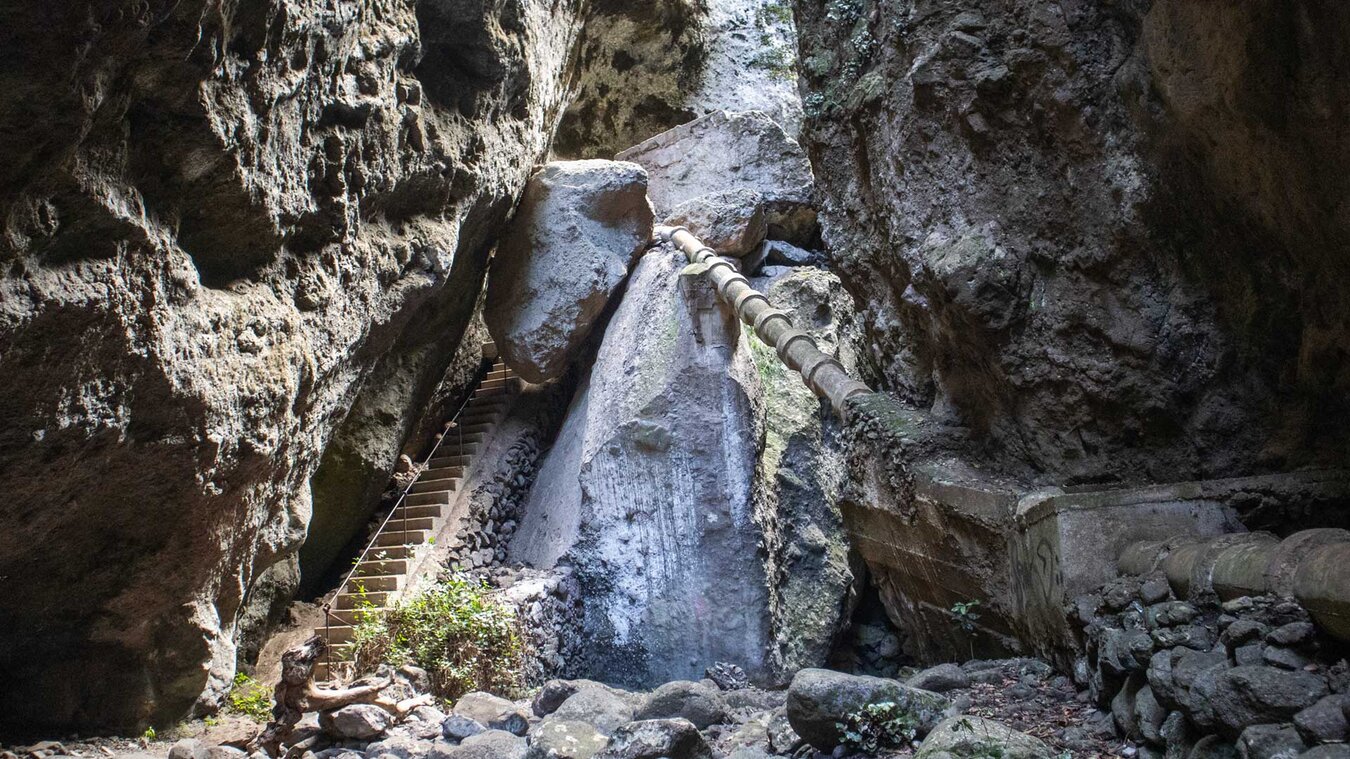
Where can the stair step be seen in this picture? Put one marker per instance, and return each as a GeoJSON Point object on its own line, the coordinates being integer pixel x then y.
{"type": "Point", "coordinates": [412, 524]}
{"type": "Point", "coordinates": [395, 538]}
{"type": "Point", "coordinates": [429, 498]}
{"type": "Point", "coordinates": [376, 567]}
{"type": "Point", "coordinates": [383, 553]}
{"type": "Point", "coordinates": [352, 616]}
{"type": "Point", "coordinates": [442, 462]}
{"type": "Point", "coordinates": [418, 511]}
{"type": "Point", "coordinates": [340, 652]}
{"type": "Point", "coordinates": [376, 583]}
{"type": "Point", "coordinates": [365, 600]}
{"type": "Point", "coordinates": [337, 633]}
{"type": "Point", "coordinates": [488, 384]}
{"type": "Point", "coordinates": [436, 486]}
{"type": "Point", "coordinates": [442, 473]}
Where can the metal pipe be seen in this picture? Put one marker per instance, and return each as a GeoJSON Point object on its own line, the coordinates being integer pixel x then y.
{"type": "Point", "coordinates": [822, 373]}
{"type": "Point", "coordinates": [1309, 566]}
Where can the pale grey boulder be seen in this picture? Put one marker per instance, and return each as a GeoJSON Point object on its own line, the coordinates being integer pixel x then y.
{"type": "Point", "coordinates": [733, 223]}
{"type": "Point", "coordinates": [494, 712]}
{"type": "Point", "coordinates": [657, 739]}
{"type": "Point", "coordinates": [579, 227]}
{"type": "Point", "coordinates": [820, 699]}
{"type": "Point", "coordinates": [730, 151]}
{"type": "Point", "coordinates": [565, 739]}
{"type": "Point", "coordinates": [966, 737]}
{"type": "Point", "coordinates": [700, 704]}
{"type": "Point", "coordinates": [356, 722]}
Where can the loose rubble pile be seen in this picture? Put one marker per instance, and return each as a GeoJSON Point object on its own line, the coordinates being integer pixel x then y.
{"type": "Point", "coordinates": [494, 508]}
{"type": "Point", "coordinates": [1250, 677]}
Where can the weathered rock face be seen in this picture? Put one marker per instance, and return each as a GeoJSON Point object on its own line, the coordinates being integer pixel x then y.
{"type": "Point", "coordinates": [798, 480]}
{"type": "Point", "coordinates": [648, 67]}
{"type": "Point", "coordinates": [1096, 235]}
{"type": "Point", "coordinates": [672, 486]}
{"type": "Point", "coordinates": [224, 224]}
{"type": "Point", "coordinates": [579, 227]}
{"type": "Point", "coordinates": [647, 489]}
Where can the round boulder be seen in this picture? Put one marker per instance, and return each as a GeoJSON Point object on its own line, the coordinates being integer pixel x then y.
{"type": "Point", "coordinates": [820, 699]}
{"type": "Point", "coordinates": [965, 737]}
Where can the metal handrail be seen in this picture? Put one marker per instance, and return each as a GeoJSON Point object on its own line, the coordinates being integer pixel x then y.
{"type": "Point", "coordinates": [440, 438]}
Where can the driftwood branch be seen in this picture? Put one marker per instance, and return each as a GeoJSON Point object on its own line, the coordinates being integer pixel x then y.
{"type": "Point", "coordinates": [297, 694]}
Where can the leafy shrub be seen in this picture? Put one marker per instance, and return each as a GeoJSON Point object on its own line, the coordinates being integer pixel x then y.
{"type": "Point", "coordinates": [456, 631]}
{"type": "Point", "coordinates": [249, 698]}
{"type": "Point", "coordinates": [883, 725]}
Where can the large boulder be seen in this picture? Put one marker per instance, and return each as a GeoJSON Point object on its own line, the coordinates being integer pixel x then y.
{"type": "Point", "coordinates": [965, 737]}
{"type": "Point", "coordinates": [565, 739]}
{"type": "Point", "coordinates": [732, 223]}
{"type": "Point", "coordinates": [657, 739]}
{"type": "Point", "coordinates": [819, 700]}
{"type": "Point", "coordinates": [725, 152]}
{"type": "Point", "coordinates": [700, 704]}
{"type": "Point", "coordinates": [491, 744]}
{"type": "Point", "coordinates": [598, 706]}
{"type": "Point", "coordinates": [579, 227]}
{"type": "Point", "coordinates": [356, 722]}
{"type": "Point", "coordinates": [494, 712]}
{"type": "Point", "coordinates": [1237, 698]}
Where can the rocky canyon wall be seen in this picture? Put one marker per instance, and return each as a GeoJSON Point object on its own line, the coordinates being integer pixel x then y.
{"type": "Point", "coordinates": [1107, 239]}
{"type": "Point", "coordinates": [225, 224]}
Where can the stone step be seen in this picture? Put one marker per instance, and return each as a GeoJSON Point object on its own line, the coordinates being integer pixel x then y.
{"type": "Point", "coordinates": [374, 583]}
{"type": "Point", "coordinates": [397, 539]}
{"type": "Point", "coordinates": [376, 567]}
{"type": "Point", "coordinates": [351, 616]}
{"type": "Point", "coordinates": [418, 511]}
{"type": "Point", "coordinates": [412, 524]}
{"type": "Point", "coordinates": [496, 382]}
{"type": "Point", "coordinates": [442, 473]}
{"type": "Point", "coordinates": [442, 461]}
{"type": "Point", "coordinates": [340, 652]}
{"type": "Point", "coordinates": [337, 633]}
{"type": "Point", "coordinates": [436, 486]}
{"type": "Point", "coordinates": [429, 498]}
{"type": "Point", "coordinates": [489, 392]}
{"type": "Point", "coordinates": [369, 599]}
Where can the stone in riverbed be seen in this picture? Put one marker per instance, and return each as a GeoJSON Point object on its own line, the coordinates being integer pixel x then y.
{"type": "Point", "coordinates": [657, 739]}
{"type": "Point", "coordinates": [565, 739]}
{"type": "Point", "coordinates": [698, 703]}
{"type": "Point", "coordinates": [819, 699]}
{"type": "Point", "coordinates": [492, 744]}
{"type": "Point", "coordinates": [940, 679]}
{"type": "Point", "coordinates": [494, 712]}
{"type": "Point", "coordinates": [579, 227]}
{"type": "Point", "coordinates": [356, 722]}
{"type": "Point", "coordinates": [967, 737]}
{"type": "Point", "coordinates": [597, 706]}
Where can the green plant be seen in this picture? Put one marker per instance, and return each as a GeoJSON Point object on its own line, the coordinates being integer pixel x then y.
{"type": "Point", "coordinates": [464, 638]}
{"type": "Point", "coordinates": [883, 725]}
{"type": "Point", "coordinates": [249, 698]}
{"type": "Point", "coordinates": [211, 721]}
{"type": "Point", "coordinates": [965, 615]}
{"type": "Point", "coordinates": [149, 734]}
